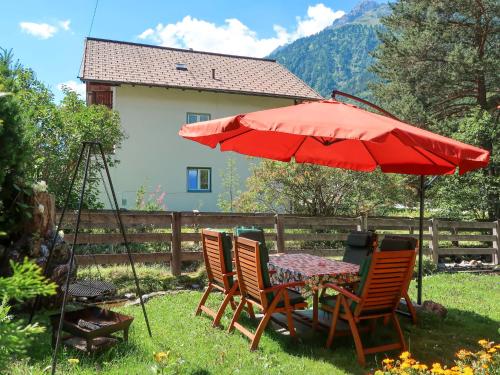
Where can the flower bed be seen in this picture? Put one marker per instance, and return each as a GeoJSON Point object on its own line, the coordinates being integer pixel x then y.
{"type": "Point", "coordinates": [485, 361]}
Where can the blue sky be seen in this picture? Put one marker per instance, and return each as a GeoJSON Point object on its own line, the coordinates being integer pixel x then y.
{"type": "Point", "coordinates": [48, 35]}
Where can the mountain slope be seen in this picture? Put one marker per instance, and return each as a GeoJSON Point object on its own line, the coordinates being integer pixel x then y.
{"type": "Point", "coordinates": [339, 56]}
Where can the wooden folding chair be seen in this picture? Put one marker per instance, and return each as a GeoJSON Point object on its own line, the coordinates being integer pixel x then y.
{"type": "Point", "coordinates": [217, 253]}
{"type": "Point", "coordinates": [377, 297]}
{"type": "Point", "coordinates": [256, 289]}
{"type": "Point", "coordinates": [396, 243]}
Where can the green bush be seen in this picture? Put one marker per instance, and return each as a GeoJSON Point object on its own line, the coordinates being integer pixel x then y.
{"type": "Point", "coordinates": [26, 282]}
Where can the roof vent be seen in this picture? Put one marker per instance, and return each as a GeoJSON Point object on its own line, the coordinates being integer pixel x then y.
{"type": "Point", "coordinates": [180, 66]}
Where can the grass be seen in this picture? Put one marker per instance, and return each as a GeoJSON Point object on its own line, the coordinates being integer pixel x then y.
{"type": "Point", "coordinates": [152, 278]}
{"type": "Point", "coordinates": [195, 347]}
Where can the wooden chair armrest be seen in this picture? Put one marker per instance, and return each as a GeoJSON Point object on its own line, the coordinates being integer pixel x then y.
{"type": "Point", "coordinates": [229, 274]}
{"type": "Point", "coordinates": [343, 291]}
{"type": "Point", "coordinates": [283, 286]}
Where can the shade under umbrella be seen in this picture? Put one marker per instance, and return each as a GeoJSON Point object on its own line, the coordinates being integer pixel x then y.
{"type": "Point", "coordinates": [339, 135]}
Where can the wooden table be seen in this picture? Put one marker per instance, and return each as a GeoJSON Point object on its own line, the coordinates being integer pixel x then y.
{"type": "Point", "coordinates": [313, 271]}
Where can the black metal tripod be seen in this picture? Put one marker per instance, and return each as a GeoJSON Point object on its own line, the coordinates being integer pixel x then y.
{"type": "Point", "coordinates": [86, 150]}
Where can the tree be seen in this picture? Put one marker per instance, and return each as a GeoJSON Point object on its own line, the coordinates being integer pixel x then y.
{"type": "Point", "coordinates": [230, 186]}
{"type": "Point", "coordinates": [54, 133]}
{"type": "Point", "coordinates": [13, 155]}
{"type": "Point", "coordinates": [320, 191]}
{"type": "Point", "coordinates": [438, 66]}
{"type": "Point", "coordinates": [474, 194]}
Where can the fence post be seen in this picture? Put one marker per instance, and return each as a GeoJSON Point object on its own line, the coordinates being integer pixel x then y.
{"type": "Point", "coordinates": [434, 242]}
{"type": "Point", "coordinates": [496, 242]}
{"type": "Point", "coordinates": [175, 262]}
{"type": "Point", "coordinates": [279, 227]}
{"type": "Point", "coordinates": [363, 223]}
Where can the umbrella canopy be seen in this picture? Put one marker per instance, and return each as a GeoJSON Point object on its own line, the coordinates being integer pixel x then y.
{"type": "Point", "coordinates": [339, 135]}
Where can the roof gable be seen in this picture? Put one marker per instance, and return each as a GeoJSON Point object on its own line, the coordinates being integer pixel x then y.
{"type": "Point", "coordinates": [131, 63]}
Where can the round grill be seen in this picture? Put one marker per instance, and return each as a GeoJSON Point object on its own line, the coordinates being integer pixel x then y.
{"type": "Point", "coordinates": [90, 288]}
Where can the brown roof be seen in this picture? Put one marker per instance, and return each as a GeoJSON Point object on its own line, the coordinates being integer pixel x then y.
{"type": "Point", "coordinates": [140, 64]}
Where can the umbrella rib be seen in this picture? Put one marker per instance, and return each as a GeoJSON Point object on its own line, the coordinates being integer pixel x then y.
{"type": "Point", "coordinates": [433, 153]}
{"type": "Point", "coordinates": [369, 153]}
{"type": "Point", "coordinates": [299, 146]}
{"type": "Point", "coordinates": [324, 143]}
{"type": "Point", "coordinates": [234, 136]}
{"type": "Point", "coordinates": [425, 156]}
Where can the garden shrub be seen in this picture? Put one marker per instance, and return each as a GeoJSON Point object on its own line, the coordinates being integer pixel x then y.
{"type": "Point", "coordinates": [26, 282]}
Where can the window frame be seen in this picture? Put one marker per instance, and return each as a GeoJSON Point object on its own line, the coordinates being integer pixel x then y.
{"type": "Point", "coordinates": [209, 190]}
{"type": "Point", "coordinates": [197, 114]}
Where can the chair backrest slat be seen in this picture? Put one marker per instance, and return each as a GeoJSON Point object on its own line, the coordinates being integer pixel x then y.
{"type": "Point", "coordinates": [387, 278]}
{"type": "Point", "coordinates": [247, 256]}
{"type": "Point", "coordinates": [214, 256]}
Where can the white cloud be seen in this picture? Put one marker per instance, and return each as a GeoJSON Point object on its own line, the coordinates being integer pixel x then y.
{"type": "Point", "coordinates": [233, 36]}
{"type": "Point", "coordinates": [318, 17]}
{"type": "Point", "coordinates": [39, 30]}
{"type": "Point", "coordinates": [44, 30]}
{"type": "Point", "coordinates": [79, 88]}
{"type": "Point", "coordinates": [65, 24]}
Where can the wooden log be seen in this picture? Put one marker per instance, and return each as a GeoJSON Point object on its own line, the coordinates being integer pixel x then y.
{"type": "Point", "coordinates": [107, 219]}
{"type": "Point", "coordinates": [175, 264]}
{"type": "Point", "coordinates": [117, 238]}
{"type": "Point", "coordinates": [303, 222]}
{"type": "Point", "coordinates": [227, 220]}
{"type": "Point", "coordinates": [315, 236]}
{"type": "Point", "coordinates": [467, 237]}
{"type": "Point", "coordinates": [122, 258]}
{"type": "Point", "coordinates": [279, 227]}
{"type": "Point", "coordinates": [434, 243]}
{"type": "Point", "coordinates": [466, 251]}
{"type": "Point", "coordinates": [496, 242]}
{"type": "Point", "coordinates": [444, 224]}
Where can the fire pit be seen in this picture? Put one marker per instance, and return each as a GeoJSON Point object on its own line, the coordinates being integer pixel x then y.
{"type": "Point", "coordinates": [91, 328]}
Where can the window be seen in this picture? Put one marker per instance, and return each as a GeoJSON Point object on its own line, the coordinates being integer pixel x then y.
{"type": "Point", "coordinates": [197, 117]}
{"type": "Point", "coordinates": [199, 180]}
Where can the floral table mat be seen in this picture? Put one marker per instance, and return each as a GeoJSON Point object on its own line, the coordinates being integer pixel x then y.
{"type": "Point", "coordinates": [311, 269]}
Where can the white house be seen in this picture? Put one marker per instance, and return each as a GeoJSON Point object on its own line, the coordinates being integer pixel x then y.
{"type": "Point", "coordinates": [156, 90]}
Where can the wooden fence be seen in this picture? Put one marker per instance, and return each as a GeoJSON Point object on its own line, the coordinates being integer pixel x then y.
{"type": "Point", "coordinates": [176, 234]}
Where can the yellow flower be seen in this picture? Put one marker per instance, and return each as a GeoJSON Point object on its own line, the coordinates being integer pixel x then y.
{"type": "Point", "coordinates": [405, 355]}
{"type": "Point", "coordinates": [388, 361]}
{"type": "Point", "coordinates": [405, 365]}
{"type": "Point", "coordinates": [436, 365]}
{"type": "Point", "coordinates": [378, 372]}
{"type": "Point", "coordinates": [486, 357]}
{"type": "Point", "coordinates": [461, 354]}
{"type": "Point", "coordinates": [483, 343]}
{"type": "Point", "coordinates": [485, 366]}
{"type": "Point", "coordinates": [73, 361]}
{"type": "Point", "coordinates": [455, 368]}
{"type": "Point", "coordinates": [468, 371]}
{"type": "Point", "coordinates": [160, 356]}
{"type": "Point", "coordinates": [492, 350]}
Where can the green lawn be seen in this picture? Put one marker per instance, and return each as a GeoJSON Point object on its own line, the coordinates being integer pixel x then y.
{"type": "Point", "coordinates": [473, 303]}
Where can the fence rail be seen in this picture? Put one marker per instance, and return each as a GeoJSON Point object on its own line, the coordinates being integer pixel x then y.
{"type": "Point", "coordinates": [179, 231]}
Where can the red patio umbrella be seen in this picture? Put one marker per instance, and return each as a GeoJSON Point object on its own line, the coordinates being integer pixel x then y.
{"type": "Point", "coordinates": [341, 135]}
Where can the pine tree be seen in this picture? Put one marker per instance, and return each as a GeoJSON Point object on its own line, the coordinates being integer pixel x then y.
{"type": "Point", "coordinates": [438, 65]}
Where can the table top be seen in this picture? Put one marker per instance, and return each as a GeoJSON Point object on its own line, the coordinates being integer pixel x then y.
{"type": "Point", "coordinates": [311, 265]}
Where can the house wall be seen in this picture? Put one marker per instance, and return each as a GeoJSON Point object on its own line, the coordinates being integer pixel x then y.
{"type": "Point", "coordinates": [154, 155]}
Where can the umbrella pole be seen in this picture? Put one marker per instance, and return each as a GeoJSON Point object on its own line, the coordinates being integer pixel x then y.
{"type": "Point", "coordinates": [420, 239]}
